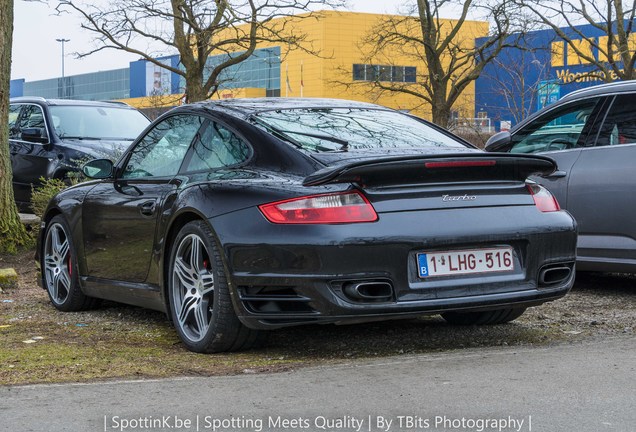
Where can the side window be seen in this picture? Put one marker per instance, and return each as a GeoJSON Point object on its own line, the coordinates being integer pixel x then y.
{"type": "Point", "coordinates": [32, 117]}
{"type": "Point", "coordinates": [217, 147]}
{"type": "Point", "coordinates": [14, 112]}
{"type": "Point", "coordinates": [161, 152]}
{"type": "Point", "coordinates": [619, 126]}
{"type": "Point", "coordinates": [559, 129]}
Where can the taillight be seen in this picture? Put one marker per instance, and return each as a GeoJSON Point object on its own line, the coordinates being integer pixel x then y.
{"type": "Point", "coordinates": [348, 207]}
{"type": "Point", "coordinates": [543, 199]}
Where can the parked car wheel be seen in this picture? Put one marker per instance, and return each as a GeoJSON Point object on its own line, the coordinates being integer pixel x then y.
{"type": "Point", "coordinates": [59, 269]}
{"type": "Point", "coordinates": [498, 316]}
{"type": "Point", "coordinates": [200, 303]}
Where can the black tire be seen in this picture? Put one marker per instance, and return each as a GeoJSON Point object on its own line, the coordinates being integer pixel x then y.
{"type": "Point", "coordinates": [59, 269]}
{"type": "Point", "coordinates": [199, 295]}
{"type": "Point", "coordinates": [498, 316]}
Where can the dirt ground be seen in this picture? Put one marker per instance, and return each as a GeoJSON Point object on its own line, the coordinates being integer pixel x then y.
{"type": "Point", "coordinates": [41, 344]}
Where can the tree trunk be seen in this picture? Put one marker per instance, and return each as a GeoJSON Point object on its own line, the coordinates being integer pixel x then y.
{"type": "Point", "coordinates": [441, 116]}
{"type": "Point", "coordinates": [12, 232]}
{"type": "Point", "coordinates": [441, 109]}
{"type": "Point", "coordinates": [194, 87]}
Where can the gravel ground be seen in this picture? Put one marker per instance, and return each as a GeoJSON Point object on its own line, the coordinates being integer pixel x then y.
{"type": "Point", "coordinates": [599, 304]}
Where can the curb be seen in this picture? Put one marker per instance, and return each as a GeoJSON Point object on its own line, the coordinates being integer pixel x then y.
{"type": "Point", "coordinates": [29, 219]}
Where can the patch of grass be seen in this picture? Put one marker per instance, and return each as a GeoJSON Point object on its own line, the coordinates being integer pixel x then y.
{"type": "Point", "coordinates": [38, 348]}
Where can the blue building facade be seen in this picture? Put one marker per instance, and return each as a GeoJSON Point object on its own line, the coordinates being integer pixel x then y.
{"type": "Point", "coordinates": [522, 81]}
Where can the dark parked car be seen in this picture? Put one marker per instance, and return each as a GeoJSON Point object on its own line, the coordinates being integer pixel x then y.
{"type": "Point", "coordinates": [47, 137]}
{"type": "Point", "coordinates": [245, 215]}
{"type": "Point", "coordinates": [591, 134]}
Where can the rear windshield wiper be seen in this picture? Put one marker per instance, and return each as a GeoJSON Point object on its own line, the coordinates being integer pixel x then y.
{"type": "Point", "coordinates": [343, 143]}
{"type": "Point", "coordinates": [284, 134]}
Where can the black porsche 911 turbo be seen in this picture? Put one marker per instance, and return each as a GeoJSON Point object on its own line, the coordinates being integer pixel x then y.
{"type": "Point", "coordinates": [239, 216]}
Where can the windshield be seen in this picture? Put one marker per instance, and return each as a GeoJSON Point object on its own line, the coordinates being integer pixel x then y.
{"type": "Point", "coordinates": [97, 122]}
{"type": "Point", "coordinates": [340, 129]}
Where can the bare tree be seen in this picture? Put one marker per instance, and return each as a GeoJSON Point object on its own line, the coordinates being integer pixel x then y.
{"type": "Point", "coordinates": [196, 30]}
{"type": "Point", "coordinates": [12, 232]}
{"type": "Point", "coordinates": [446, 47]}
{"type": "Point", "coordinates": [615, 56]}
{"type": "Point", "coordinates": [516, 78]}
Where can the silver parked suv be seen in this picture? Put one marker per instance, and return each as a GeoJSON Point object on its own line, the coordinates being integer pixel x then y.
{"type": "Point", "coordinates": [591, 134]}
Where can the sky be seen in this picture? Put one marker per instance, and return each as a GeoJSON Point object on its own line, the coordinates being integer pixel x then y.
{"type": "Point", "coordinates": [37, 55]}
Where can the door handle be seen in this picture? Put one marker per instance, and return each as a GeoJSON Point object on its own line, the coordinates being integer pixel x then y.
{"type": "Point", "coordinates": [557, 174]}
{"type": "Point", "coordinates": [148, 208]}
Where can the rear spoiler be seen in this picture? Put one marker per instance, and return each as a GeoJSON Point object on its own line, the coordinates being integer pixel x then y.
{"type": "Point", "coordinates": [435, 169]}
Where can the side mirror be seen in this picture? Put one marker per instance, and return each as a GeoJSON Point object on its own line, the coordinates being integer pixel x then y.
{"type": "Point", "coordinates": [499, 142]}
{"type": "Point", "coordinates": [98, 169]}
{"type": "Point", "coordinates": [37, 135]}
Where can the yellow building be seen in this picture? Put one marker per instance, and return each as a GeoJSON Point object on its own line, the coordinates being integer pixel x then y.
{"type": "Point", "coordinates": [344, 60]}
{"type": "Point", "coordinates": [342, 69]}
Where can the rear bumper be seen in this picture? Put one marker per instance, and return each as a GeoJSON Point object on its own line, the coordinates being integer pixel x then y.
{"type": "Point", "coordinates": [320, 305]}
{"type": "Point", "coordinates": [285, 275]}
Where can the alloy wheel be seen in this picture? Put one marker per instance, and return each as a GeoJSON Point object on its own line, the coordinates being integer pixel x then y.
{"type": "Point", "coordinates": [58, 267]}
{"type": "Point", "coordinates": [192, 287]}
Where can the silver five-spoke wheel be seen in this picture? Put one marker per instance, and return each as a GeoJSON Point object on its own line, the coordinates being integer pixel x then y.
{"type": "Point", "coordinates": [59, 268]}
{"type": "Point", "coordinates": [199, 294]}
{"type": "Point", "coordinates": [58, 265]}
{"type": "Point", "coordinates": [193, 287]}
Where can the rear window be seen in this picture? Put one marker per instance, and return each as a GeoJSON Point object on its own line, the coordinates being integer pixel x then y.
{"type": "Point", "coordinates": [97, 122]}
{"type": "Point", "coordinates": [334, 129]}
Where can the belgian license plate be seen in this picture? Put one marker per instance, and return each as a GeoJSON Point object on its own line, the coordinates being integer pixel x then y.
{"type": "Point", "coordinates": [465, 262]}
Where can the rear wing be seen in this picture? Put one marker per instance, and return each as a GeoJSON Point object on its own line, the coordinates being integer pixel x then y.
{"type": "Point", "coordinates": [445, 168]}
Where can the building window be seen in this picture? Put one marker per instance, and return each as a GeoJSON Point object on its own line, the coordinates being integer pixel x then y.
{"type": "Point", "coordinates": [358, 72]}
{"type": "Point", "coordinates": [385, 73]}
{"type": "Point", "coordinates": [410, 74]}
{"type": "Point", "coordinates": [397, 74]}
{"type": "Point", "coordinates": [362, 72]}
{"type": "Point", "coordinates": [261, 70]}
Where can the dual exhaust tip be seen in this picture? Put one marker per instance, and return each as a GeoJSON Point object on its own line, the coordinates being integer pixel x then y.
{"type": "Point", "coordinates": [382, 291]}
{"type": "Point", "coordinates": [369, 291]}
{"type": "Point", "coordinates": [554, 274]}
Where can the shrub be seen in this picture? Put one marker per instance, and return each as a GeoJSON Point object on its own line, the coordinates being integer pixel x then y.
{"type": "Point", "coordinates": [42, 194]}
{"type": "Point", "coordinates": [474, 137]}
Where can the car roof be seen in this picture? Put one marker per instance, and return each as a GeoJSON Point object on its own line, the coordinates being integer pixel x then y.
{"type": "Point", "coordinates": [68, 102]}
{"type": "Point", "coordinates": [247, 106]}
{"type": "Point", "coordinates": [608, 89]}
{"type": "Point", "coordinates": [602, 89]}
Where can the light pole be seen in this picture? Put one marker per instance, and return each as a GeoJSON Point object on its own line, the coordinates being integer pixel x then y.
{"type": "Point", "coordinates": [62, 40]}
